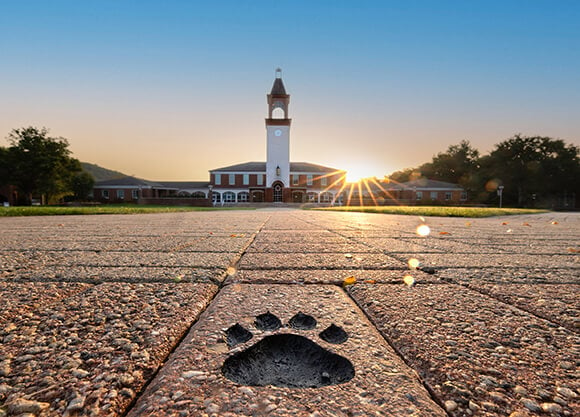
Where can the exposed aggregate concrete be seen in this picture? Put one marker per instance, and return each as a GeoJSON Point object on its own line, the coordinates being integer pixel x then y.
{"type": "Point", "coordinates": [95, 350]}
{"type": "Point", "coordinates": [505, 339]}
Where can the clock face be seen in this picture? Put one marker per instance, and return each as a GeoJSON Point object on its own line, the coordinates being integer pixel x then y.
{"type": "Point", "coordinates": [278, 132]}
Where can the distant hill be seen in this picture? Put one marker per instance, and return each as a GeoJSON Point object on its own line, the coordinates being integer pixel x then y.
{"type": "Point", "coordinates": [100, 173]}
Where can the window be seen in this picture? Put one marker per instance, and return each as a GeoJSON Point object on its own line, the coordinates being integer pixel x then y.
{"type": "Point", "coordinates": [463, 196]}
{"type": "Point", "coordinates": [135, 194]}
{"type": "Point", "coordinates": [312, 197]}
{"type": "Point", "coordinates": [277, 193]}
{"type": "Point", "coordinates": [324, 181]}
{"type": "Point", "coordinates": [243, 197]}
{"type": "Point", "coordinates": [198, 194]}
{"type": "Point", "coordinates": [106, 194]}
{"type": "Point", "coordinates": [260, 179]}
{"type": "Point", "coordinates": [246, 179]}
{"type": "Point", "coordinates": [229, 197]}
{"type": "Point", "coordinates": [419, 195]}
{"type": "Point", "coordinates": [216, 197]}
{"type": "Point", "coordinates": [433, 195]}
{"type": "Point", "coordinates": [120, 194]}
{"type": "Point", "coordinates": [295, 179]}
{"type": "Point", "coordinates": [309, 179]}
{"type": "Point", "coordinates": [218, 179]}
{"type": "Point", "coordinates": [232, 179]}
{"type": "Point", "coordinates": [447, 196]}
{"type": "Point", "coordinates": [326, 197]}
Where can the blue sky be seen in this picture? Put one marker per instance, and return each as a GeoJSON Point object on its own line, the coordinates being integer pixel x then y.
{"type": "Point", "coordinates": [167, 90]}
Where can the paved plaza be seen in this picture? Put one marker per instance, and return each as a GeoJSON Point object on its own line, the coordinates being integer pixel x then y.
{"type": "Point", "coordinates": [247, 313]}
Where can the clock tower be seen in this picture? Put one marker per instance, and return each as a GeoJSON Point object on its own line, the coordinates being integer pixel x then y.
{"type": "Point", "coordinates": [278, 139]}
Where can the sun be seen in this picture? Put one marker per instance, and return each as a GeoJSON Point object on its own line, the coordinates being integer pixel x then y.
{"type": "Point", "coordinates": [356, 174]}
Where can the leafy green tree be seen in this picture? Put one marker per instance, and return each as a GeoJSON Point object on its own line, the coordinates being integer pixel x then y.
{"type": "Point", "coordinates": [40, 165]}
{"type": "Point", "coordinates": [457, 165]}
{"type": "Point", "coordinates": [4, 166]}
{"type": "Point", "coordinates": [81, 185]}
{"type": "Point", "coordinates": [408, 174]}
{"type": "Point", "coordinates": [533, 169]}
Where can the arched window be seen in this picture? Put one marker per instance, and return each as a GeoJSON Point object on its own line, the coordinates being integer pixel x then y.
{"type": "Point", "coordinates": [243, 197]}
{"type": "Point", "coordinates": [198, 194]}
{"type": "Point", "coordinates": [229, 197]}
{"type": "Point", "coordinates": [312, 197]}
{"type": "Point", "coordinates": [257, 196]}
{"type": "Point", "coordinates": [278, 113]}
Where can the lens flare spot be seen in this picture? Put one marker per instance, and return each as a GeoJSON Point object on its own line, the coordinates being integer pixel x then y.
{"type": "Point", "coordinates": [231, 270]}
{"type": "Point", "coordinates": [409, 280]}
{"type": "Point", "coordinates": [423, 230]}
{"type": "Point", "coordinates": [348, 255]}
{"type": "Point", "coordinates": [414, 263]}
{"type": "Point", "coordinates": [509, 231]}
{"type": "Point", "coordinates": [349, 281]}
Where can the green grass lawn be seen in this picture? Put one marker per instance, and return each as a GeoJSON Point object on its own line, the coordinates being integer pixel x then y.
{"type": "Point", "coordinates": [436, 210]}
{"type": "Point", "coordinates": [102, 209]}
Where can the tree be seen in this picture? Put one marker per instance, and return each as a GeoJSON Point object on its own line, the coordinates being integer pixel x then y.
{"type": "Point", "coordinates": [40, 164]}
{"type": "Point", "coordinates": [408, 174]}
{"type": "Point", "coordinates": [81, 185]}
{"type": "Point", "coordinates": [4, 166]}
{"type": "Point", "coordinates": [533, 168]}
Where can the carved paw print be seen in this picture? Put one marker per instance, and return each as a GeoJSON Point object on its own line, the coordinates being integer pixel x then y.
{"type": "Point", "coordinates": [287, 359]}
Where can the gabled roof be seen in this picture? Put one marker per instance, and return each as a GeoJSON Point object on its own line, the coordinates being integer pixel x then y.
{"type": "Point", "coordinates": [129, 181]}
{"type": "Point", "coordinates": [244, 167]}
{"type": "Point", "coordinates": [308, 167]}
{"type": "Point", "coordinates": [184, 184]}
{"type": "Point", "coordinates": [427, 183]}
{"type": "Point", "coordinates": [261, 167]}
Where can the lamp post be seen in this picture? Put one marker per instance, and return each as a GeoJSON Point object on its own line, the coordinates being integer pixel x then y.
{"type": "Point", "coordinates": [209, 194]}
{"type": "Point", "coordinates": [500, 194]}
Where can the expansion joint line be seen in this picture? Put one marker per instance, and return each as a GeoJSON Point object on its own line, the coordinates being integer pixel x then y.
{"type": "Point", "coordinates": [235, 261]}
{"type": "Point", "coordinates": [422, 380]}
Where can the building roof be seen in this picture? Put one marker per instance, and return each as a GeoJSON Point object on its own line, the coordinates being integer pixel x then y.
{"type": "Point", "coordinates": [128, 181]}
{"type": "Point", "coordinates": [184, 184]}
{"type": "Point", "coordinates": [261, 167]}
{"type": "Point", "coordinates": [308, 167]}
{"type": "Point", "coordinates": [278, 88]}
{"type": "Point", "coordinates": [427, 183]}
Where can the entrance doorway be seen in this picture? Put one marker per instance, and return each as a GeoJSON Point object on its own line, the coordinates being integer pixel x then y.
{"type": "Point", "coordinates": [278, 194]}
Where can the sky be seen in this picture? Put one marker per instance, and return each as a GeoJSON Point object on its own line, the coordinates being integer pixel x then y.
{"type": "Point", "coordinates": [167, 90]}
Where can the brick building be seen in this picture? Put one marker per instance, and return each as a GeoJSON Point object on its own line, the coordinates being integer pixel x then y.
{"type": "Point", "coordinates": [277, 180]}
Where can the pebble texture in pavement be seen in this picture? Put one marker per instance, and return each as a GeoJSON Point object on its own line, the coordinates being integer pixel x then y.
{"type": "Point", "coordinates": [128, 315]}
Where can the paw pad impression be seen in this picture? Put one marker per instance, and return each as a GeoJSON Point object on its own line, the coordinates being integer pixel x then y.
{"type": "Point", "coordinates": [287, 360]}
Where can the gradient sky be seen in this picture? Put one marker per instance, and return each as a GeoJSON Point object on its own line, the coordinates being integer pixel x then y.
{"type": "Point", "coordinates": [166, 90]}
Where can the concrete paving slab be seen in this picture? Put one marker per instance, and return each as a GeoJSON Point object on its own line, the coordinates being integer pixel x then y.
{"type": "Point", "coordinates": [20, 299]}
{"type": "Point", "coordinates": [320, 276]}
{"type": "Point", "coordinates": [100, 274]}
{"type": "Point", "coordinates": [310, 247]}
{"type": "Point", "coordinates": [477, 353]}
{"type": "Point", "coordinates": [91, 353]}
{"type": "Point", "coordinates": [507, 260]}
{"type": "Point", "coordinates": [193, 383]}
{"type": "Point", "coordinates": [48, 259]}
{"type": "Point", "coordinates": [319, 260]}
{"type": "Point", "coordinates": [531, 275]}
{"type": "Point", "coordinates": [559, 303]}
